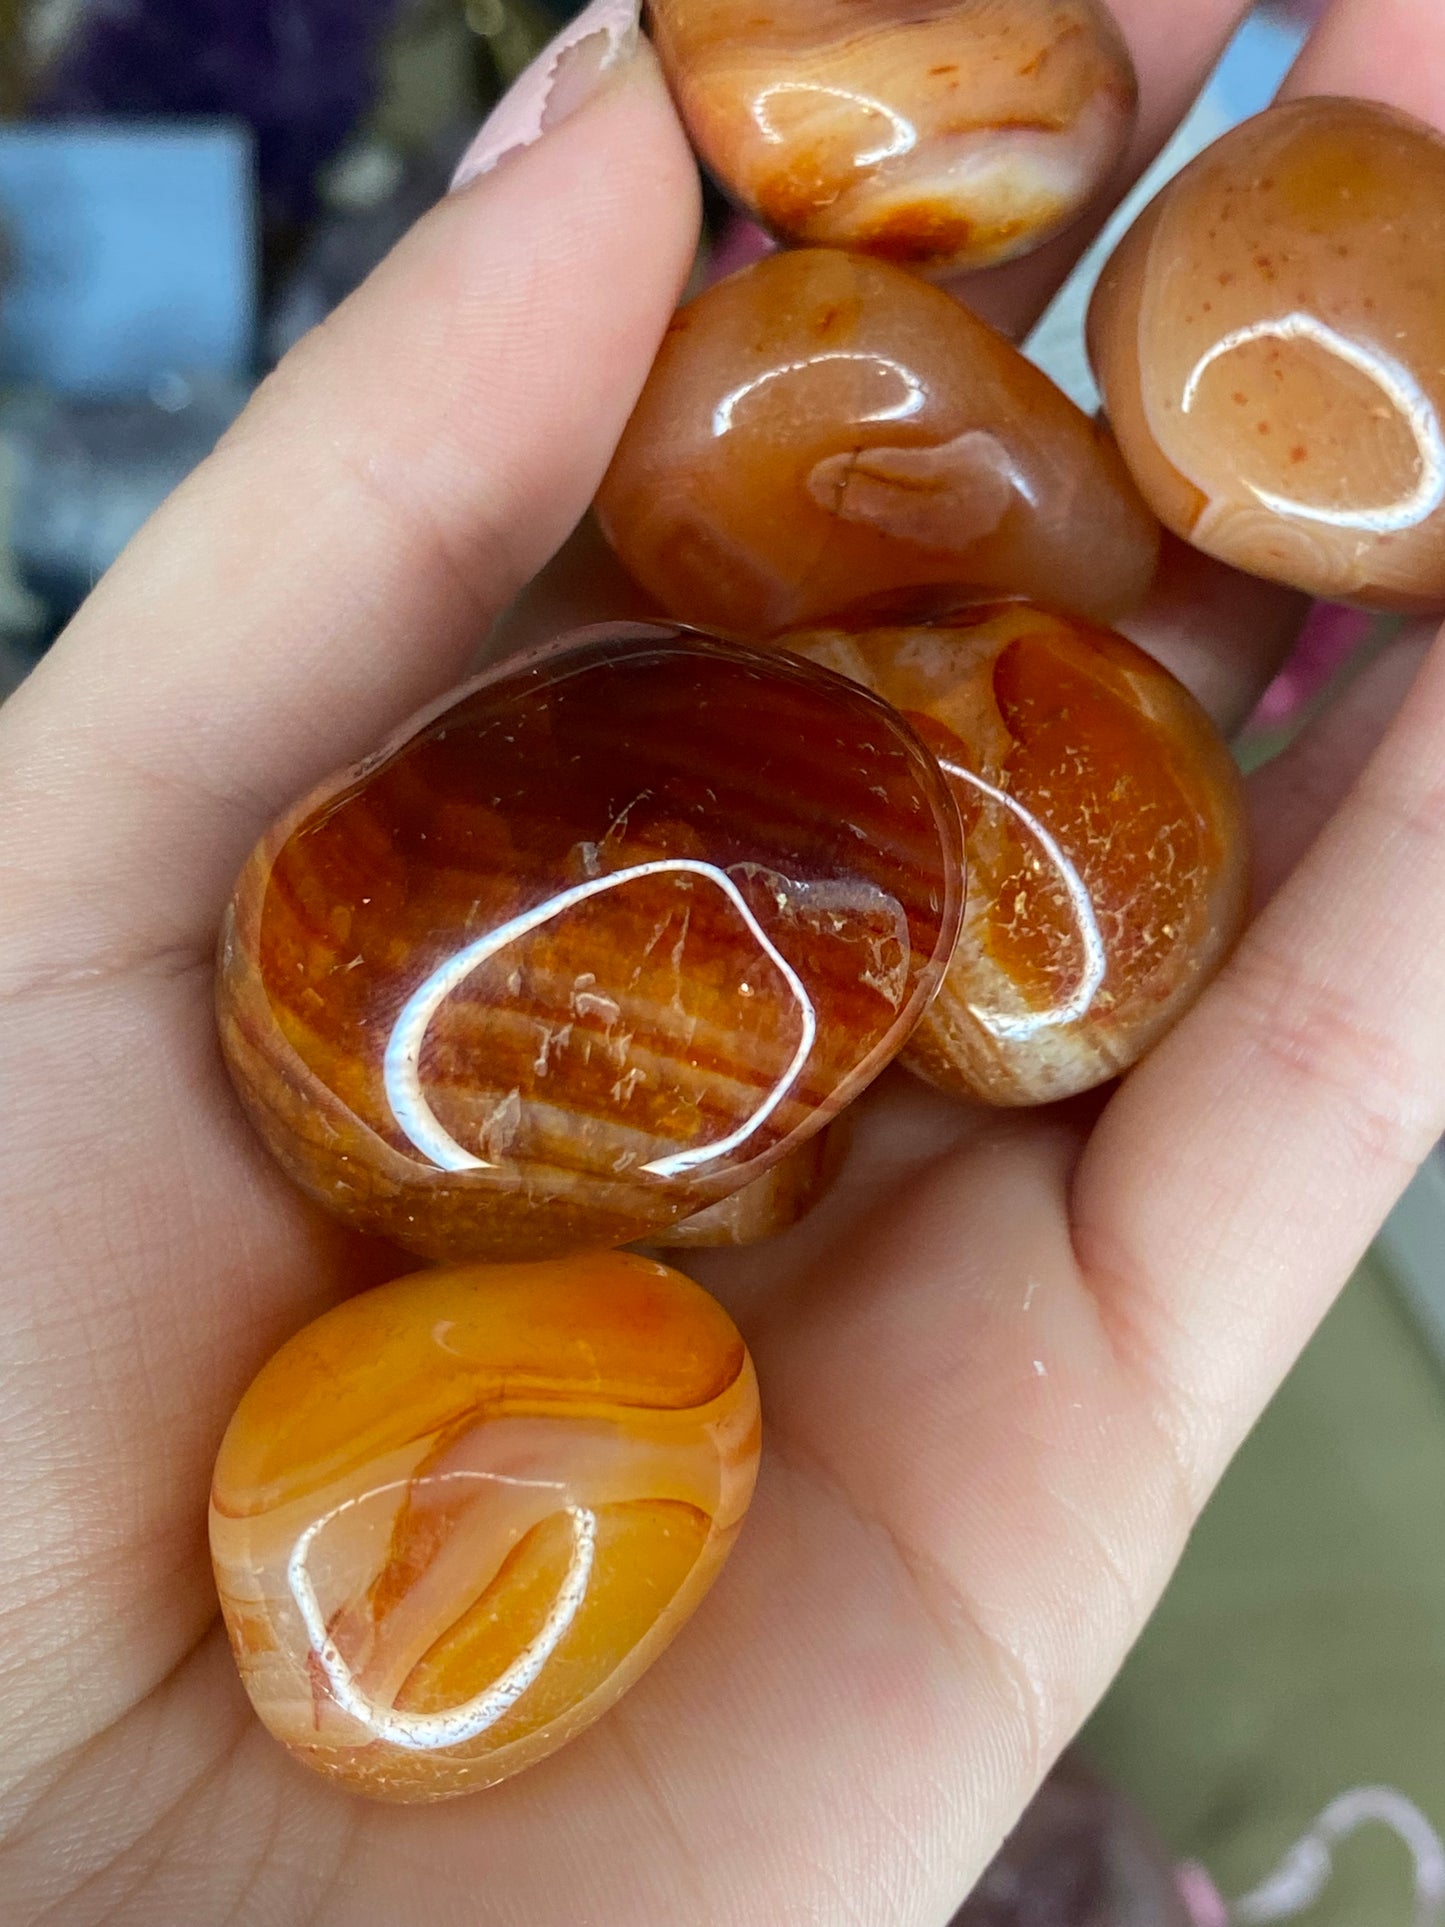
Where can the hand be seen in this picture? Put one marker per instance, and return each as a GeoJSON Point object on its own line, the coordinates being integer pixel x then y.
{"type": "Point", "coordinates": [1002, 1368]}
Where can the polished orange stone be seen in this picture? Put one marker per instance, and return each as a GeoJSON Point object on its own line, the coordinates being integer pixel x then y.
{"type": "Point", "coordinates": [822, 427]}
{"type": "Point", "coordinates": [771, 1204]}
{"type": "Point", "coordinates": [943, 136]}
{"type": "Point", "coordinates": [1107, 850]}
{"type": "Point", "coordinates": [1270, 340]}
{"type": "Point", "coordinates": [457, 1517]}
{"type": "Point", "coordinates": [590, 947]}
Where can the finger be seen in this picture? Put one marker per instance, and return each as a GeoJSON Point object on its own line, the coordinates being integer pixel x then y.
{"type": "Point", "coordinates": [342, 554]}
{"type": "Point", "coordinates": [583, 582]}
{"type": "Point", "coordinates": [336, 560]}
{"type": "Point", "coordinates": [1242, 1171]}
{"type": "Point", "coordinates": [1174, 49]}
{"type": "Point", "coordinates": [897, 1129]}
{"type": "Point", "coordinates": [1386, 50]}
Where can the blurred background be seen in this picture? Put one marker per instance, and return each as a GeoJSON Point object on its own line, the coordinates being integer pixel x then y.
{"type": "Point", "coordinates": [186, 187]}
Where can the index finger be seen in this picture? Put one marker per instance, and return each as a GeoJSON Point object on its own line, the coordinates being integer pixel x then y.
{"type": "Point", "coordinates": [339, 558]}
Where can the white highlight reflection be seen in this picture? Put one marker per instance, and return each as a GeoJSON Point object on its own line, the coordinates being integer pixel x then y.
{"type": "Point", "coordinates": [1096, 962]}
{"type": "Point", "coordinates": [911, 404]}
{"type": "Point", "coordinates": [904, 135]}
{"type": "Point", "coordinates": [401, 1065]}
{"type": "Point", "coordinates": [426, 1731]}
{"type": "Point", "coordinates": [1394, 381]}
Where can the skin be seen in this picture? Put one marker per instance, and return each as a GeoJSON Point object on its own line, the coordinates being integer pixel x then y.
{"type": "Point", "coordinates": [1002, 1368]}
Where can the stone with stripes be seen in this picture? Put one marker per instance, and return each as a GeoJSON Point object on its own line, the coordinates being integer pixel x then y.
{"type": "Point", "coordinates": [591, 946]}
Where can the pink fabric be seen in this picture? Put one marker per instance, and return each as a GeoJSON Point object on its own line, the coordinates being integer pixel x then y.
{"type": "Point", "coordinates": [1330, 636]}
{"type": "Point", "coordinates": [740, 244]}
{"type": "Point", "coordinates": [1201, 1896]}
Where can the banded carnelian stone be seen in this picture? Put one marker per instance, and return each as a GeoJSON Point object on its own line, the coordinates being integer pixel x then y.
{"type": "Point", "coordinates": [942, 136]}
{"type": "Point", "coordinates": [455, 1519]}
{"type": "Point", "coordinates": [821, 428]}
{"type": "Point", "coordinates": [1270, 340]}
{"type": "Point", "coordinates": [1104, 824]}
{"type": "Point", "coordinates": [772, 1204]}
{"type": "Point", "coordinates": [591, 946]}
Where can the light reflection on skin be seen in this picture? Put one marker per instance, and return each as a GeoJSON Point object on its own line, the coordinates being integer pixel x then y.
{"type": "Point", "coordinates": [401, 1065]}
{"type": "Point", "coordinates": [424, 1732]}
{"type": "Point", "coordinates": [904, 134]}
{"type": "Point", "coordinates": [1096, 962]}
{"type": "Point", "coordinates": [1395, 382]}
{"type": "Point", "coordinates": [914, 395]}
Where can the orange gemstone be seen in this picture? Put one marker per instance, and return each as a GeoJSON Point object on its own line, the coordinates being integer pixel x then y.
{"type": "Point", "coordinates": [1107, 850]}
{"type": "Point", "coordinates": [945, 137]}
{"type": "Point", "coordinates": [1270, 339]}
{"type": "Point", "coordinates": [821, 427]}
{"type": "Point", "coordinates": [591, 947]}
{"type": "Point", "coordinates": [457, 1517]}
{"type": "Point", "coordinates": [771, 1204]}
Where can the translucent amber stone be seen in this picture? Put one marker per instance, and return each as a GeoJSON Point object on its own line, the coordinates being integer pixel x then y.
{"type": "Point", "coordinates": [1270, 339]}
{"type": "Point", "coordinates": [821, 427]}
{"type": "Point", "coordinates": [1107, 853]}
{"type": "Point", "coordinates": [456, 1518]}
{"type": "Point", "coordinates": [945, 137]}
{"type": "Point", "coordinates": [771, 1204]}
{"type": "Point", "coordinates": [590, 947]}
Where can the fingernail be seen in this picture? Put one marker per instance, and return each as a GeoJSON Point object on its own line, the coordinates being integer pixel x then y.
{"type": "Point", "coordinates": [562, 78]}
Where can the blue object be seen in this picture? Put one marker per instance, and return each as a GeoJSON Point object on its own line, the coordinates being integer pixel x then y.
{"type": "Point", "coordinates": [129, 255]}
{"type": "Point", "coordinates": [1258, 58]}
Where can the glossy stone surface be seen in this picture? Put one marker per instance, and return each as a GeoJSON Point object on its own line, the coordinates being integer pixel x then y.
{"type": "Point", "coordinates": [1270, 340]}
{"type": "Point", "coordinates": [821, 427]}
{"type": "Point", "coordinates": [590, 946]}
{"type": "Point", "coordinates": [771, 1204]}
{"type": "Point", "coordinates": [454, 1519]}
{"type": "Point", "coordinates": [943, 136]}
{"type": "Point", "coordinates": [1104, 825]}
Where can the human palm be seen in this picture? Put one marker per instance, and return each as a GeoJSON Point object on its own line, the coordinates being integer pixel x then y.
{"type": "Point", "coordinates": [1002, 1367]}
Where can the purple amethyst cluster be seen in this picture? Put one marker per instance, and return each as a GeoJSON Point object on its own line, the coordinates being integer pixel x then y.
{"type": "Point", "coordinates": [300, 73]}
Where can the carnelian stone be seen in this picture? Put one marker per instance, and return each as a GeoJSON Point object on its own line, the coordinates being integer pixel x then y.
{"type": "Point", "coordinates": [1107, 851]}
{"type": "Point", "coordinates": [943, 137]}
{"type": "Point", "coordinates": [455, 1519]}
{"type": "Point", "coordinates": [821, 427]}
{"type": "Point", "coordinates": [772, 1204]}
{"type": "Point", "coordinates": [591, 946]}
{"type": "Point", "coordinates": [1270, 339]}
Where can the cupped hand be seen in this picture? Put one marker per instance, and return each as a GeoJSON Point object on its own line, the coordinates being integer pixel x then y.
{"type": "Point", "coordinates": [1002, 1367]}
